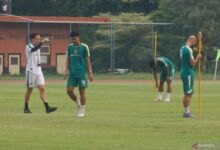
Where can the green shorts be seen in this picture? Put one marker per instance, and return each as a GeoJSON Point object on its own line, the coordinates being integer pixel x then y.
{"type": "Point", "coordinates": [163, 74]}
{"type": "Point", "coordinates": [81, 82]}
{"type": "Point", "coordinates": [188, 83]}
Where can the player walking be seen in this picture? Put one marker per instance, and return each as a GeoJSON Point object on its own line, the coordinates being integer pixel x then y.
{"type": "Point", "coordinates": [34, 75]}
{"type": "Point", "coordinates": [77, 66]}
{"type": "Point", "coordinates": [167, 69]}
{"type": "Point", "coordinates": [187, 71]}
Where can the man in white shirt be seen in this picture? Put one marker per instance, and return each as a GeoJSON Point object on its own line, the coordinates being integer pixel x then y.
{"type": "Point", "coordinates": [34, 74]}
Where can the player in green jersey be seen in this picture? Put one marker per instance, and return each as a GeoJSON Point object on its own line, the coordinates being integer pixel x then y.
{"type": "Point", "coordinates": [167, 69]}
{"type": "Point", "coordinates": [77, 66]}
{"type": "Point", "coordinates": [187, 71]}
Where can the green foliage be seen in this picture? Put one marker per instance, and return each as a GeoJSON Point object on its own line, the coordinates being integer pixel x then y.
{"type": "Point", "coordinates": [80, 7]}
{"type": "Point", "coordinates": [1, 9]}
{"type": "Point", "coordinates": [133, 49]}
{"type": "Point", "coordinates": [191, 17]}
{"type": "Point", "coordinates": [33, 7]}
{"type": "Point", "coordinates": [132, 45]}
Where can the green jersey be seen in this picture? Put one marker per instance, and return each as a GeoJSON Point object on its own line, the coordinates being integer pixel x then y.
{"type": "Point", "coordinates": [163, 63]}
{"type": "Point", "coordinates": [186, 54]}
{"type": "Point", "coordinates": [77, 56]}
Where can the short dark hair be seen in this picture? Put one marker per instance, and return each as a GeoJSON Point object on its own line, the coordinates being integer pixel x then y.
{"type": "Point", "coordinates": [74, 34]}
{"type": "Point", "coordinates": [33, 35]}
{"type": "Point", "coordinates": [152, 64]}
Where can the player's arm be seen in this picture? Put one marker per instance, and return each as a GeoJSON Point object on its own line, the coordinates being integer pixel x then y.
{"type": "Point", "coordinates": [39, 45]}
{"type": "Point", "coordinates": [88, 63]}
{"type": "Point", "coordinates": [66, 72]}
{"type": "Point", "coordinates": [193, 62]}
{"type": "Point", "coordinates": [167, 71]}
{"type": "Point", "coordinates": [168, 78]}
{"type": "Point", "coordinates": [155, 77]}
{"type": "Point", "coordinates": [89, 68]}
{"type": "Point", "coordinates": [36, 47]}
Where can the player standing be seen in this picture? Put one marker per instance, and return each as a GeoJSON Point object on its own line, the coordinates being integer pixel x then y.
{"type": "Point", "coordinates": [34, 74]}
{"type": "Point", "coordinates": [77, 66]}
{"type": "Point", "coordinates": [167, 69]}
{"type": "Point", "coordinates": [187, 71]}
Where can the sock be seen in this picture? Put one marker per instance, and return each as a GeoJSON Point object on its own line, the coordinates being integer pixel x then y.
{"type": "Point", "coordinates": [168, 95]}
{"type": "Point", "coordinates": [26, 106]}
{"type": "Point", "coordinates": [160, 94]}
{"type": "Point", "coordinates": [83, 107]}
{"type": "Point", "coordinates": [186, 110]}
{"type": "Point", "coordinates": [78, 103]}
{"type": "Point", "coordinates": [46, 105]}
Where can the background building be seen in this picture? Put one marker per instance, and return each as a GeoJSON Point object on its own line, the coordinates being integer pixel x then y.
{"type": "Point", "coordinates": [14, 33]}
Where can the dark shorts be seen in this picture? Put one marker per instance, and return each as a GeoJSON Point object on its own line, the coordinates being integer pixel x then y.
{"type": "Point", "coordinates": [163, 74]}
{"type": "Point", "coordinates": [81, 81]}
{"type": "Point", "coordinates": [188, 83]}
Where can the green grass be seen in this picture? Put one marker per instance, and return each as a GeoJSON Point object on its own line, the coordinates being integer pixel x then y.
{"type": "Point", "coordinates": [119, 117]}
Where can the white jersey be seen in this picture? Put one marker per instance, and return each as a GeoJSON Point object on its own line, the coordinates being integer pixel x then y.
{"type": "Point", "coordinates": [33, 60]}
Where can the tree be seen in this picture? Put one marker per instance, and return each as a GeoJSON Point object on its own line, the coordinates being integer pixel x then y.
{"type": "Point", "coordinates": [133, 49]}
{"type": "Point", "coordinates": [33, 7]}
{"type": "Point", "coordinates": [191, 17]}
{"type": "Point", "coordinates": [1, 6]}
{"type": "Point", "coordinates": [81, 7]}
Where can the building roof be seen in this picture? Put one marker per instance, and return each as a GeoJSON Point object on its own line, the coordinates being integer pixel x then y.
{"type": "Point", "coordinates": [41, 19]}
{"type": "Point", "coordinates": [69, 20]}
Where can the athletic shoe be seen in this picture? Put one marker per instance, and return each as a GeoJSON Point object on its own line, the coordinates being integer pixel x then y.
{"type": "Point", "coordinates": [158, 99]}
{"type": "Point", "coordinates": [167, 100]}
{"type": "Point", "coordinates": [80, 115]}
{"type": "Point", "coordinates": [81, 112]}
{"type": "Point", "coordinates": [51, 109]}
{"type": "Point", "coordinates": [188, 115]}
{"type": "Point", "coordinates": [27, 111]}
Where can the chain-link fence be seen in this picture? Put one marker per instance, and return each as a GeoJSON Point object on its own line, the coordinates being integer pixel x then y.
{"type": "Point", "coordinates": [116, 47]}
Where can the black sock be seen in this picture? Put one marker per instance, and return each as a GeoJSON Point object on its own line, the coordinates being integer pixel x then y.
{"type": "Point", "coordinates": [46, 105]}
{"type": "Point", "coordinates": [26, 105]}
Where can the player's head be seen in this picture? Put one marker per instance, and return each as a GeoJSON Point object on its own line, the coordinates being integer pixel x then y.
{"type": "Point", "coordinates": [192, 40]}
{"type": "Point", "coordinates": [153, 63]}
{"type": "Point", "coordinates": [35, 38]}
{"type": "Point", "coordinates": [75, 37]}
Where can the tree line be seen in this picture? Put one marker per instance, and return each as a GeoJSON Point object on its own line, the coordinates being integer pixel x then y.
{"type": "Point", "coordinates": [133, 43]}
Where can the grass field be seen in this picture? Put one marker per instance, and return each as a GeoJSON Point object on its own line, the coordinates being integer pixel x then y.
{"type": "Point", "coordinates": [102, 76]}
{"type": "Point", "coordinates": [120, 116]}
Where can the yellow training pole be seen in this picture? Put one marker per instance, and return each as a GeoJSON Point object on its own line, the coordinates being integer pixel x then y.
{"type": "Point", "coordinates": [199, 74]}
{"type": "Point", "coordinates": [155, 56]}
{"type": "Point", "coordinates": [155, 45]}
